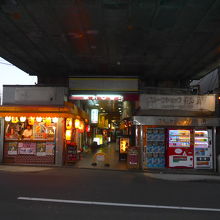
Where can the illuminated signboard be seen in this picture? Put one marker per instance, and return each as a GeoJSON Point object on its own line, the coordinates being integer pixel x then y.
{"type": "Point", "coordinates": [94, 116]}
{"type": "Point", "coordinates": [97, 97]}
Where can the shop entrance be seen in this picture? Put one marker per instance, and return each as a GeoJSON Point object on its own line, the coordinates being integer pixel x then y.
{"type": "Point", "coordinates": [107, 136]}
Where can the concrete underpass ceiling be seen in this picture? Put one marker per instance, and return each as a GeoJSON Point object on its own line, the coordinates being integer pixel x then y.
{"type": "Point", "coordinates": [153, 39]}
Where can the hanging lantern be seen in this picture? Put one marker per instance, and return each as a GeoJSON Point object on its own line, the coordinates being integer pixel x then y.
{"type": "Point", "coordinates": [88, 128]}
{"type": "Point", "coordinates": [68, 135]}
{"type": "Point", "coordinates": [48, 121]}
{"type": "Point", "coordinates": [31, 120]}
{"type": "Point", "coordinates": [69, 123]}
{"type": "Point", "coordinates": [81, 127]}
{"type": "Point", "coordinates": [22, 119]}
{"type": "Point", "coordinates": [55, 120]}
{"type": "Point", "coordinates": [14, 120]}
{"type": "Point", "coordinates": [77, 123]}
{"type": "Point", "coordinates": [8, 118]}
{"type": "Point", "coordinates": [39, 119]}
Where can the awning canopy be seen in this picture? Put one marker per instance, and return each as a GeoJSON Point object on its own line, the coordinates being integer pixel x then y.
{"type": "Point", "coordinates": [68, 111]}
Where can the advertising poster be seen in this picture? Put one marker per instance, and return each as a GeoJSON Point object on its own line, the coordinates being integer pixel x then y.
{"type": "Point", "coordinates": [12, 148]}
{"type": "Point", "coordinates": [41, 149]}
{"type": "Point", "coordinates": [50, 147]}
{"type": "Point", "coordinates": [39, 131]}
{"type": "Point", "coordinates": [27, 148]}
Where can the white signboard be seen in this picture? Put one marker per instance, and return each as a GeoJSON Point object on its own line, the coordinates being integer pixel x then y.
{"type": "Point", "coordinates": [94, 116]}
{"type": "Point", "coordinates": [175, 102]}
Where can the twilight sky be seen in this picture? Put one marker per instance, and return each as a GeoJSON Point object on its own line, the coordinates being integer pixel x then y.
{"type": "Point", "coordinates": [11, 75]}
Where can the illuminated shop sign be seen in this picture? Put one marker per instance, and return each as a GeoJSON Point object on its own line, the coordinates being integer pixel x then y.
{"type": "Point", "coordinates": [97, 97]}
{"type": "Point", "coordinates": [94, 116]}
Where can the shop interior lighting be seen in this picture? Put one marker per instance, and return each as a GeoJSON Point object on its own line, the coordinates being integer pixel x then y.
{"type": "Point", "coordinates": [8, 118]}
{"type": "Point", "coordinates": [39, 119]}
{"type": "Point", "coordinates": [22, 119]}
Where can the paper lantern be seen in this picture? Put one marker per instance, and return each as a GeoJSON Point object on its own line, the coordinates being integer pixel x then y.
{"type": "Point", "coordinates": [8, 118]}
{"type": "Point", "coordinates": [48, 121]}
{"type": "Point", "coordinates": [81, 127]}
{"type": "Point", "coordinates": [68, 135]}
{"type": "Point", "coordinates": [39, 119]}
{"type": "Point", "coordinates": [88, 128]}
{"type": "Point", "coordinates": [22, 119]}
{"type": "Point", "coordinates": [31, 120]}
{"type": "Point", "coordinates": [69, 123]}
{"type": "Point", "coordinates": [55, 120]}
{"type": "Point", "coordinates": [14, 120]}
{"type": "Point", "coordinates": [77, 123]}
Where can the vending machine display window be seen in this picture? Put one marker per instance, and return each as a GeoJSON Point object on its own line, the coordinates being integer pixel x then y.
{"type": "Point", "coordinates": [179, 138]}
{"type": "Point", "coordinates": [155, 148]}
{"type": "Point", "coordinates": [202, 149]}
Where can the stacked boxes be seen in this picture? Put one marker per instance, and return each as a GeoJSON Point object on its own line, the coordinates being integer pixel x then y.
{"type": "Point", "coordinates": [155, 148]}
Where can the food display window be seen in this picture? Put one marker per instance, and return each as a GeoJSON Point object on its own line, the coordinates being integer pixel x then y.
{"type": "Point", "coordinates": [30, 130]}
{"type": "Point", "coordinates": [30, 140]}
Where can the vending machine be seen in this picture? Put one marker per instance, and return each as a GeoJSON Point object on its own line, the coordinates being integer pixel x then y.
{"type": "Point", "coordinates": [155, 148]}
{"type": "Point", "coordinates": [203, 149]}
{"type": "Point", "coordinates": [180, 148]}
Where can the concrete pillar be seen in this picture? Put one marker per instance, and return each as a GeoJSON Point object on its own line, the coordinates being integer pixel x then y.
{"type": "Point", "coordinates": [59, 142]}
{"type": "Point", "coordinates": [1, 139]}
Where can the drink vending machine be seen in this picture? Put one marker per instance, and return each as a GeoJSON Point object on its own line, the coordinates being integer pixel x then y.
{"type": "Point", "coordinates": [203, 149]}
{"type": "Point", "coordinates": [180, 148]}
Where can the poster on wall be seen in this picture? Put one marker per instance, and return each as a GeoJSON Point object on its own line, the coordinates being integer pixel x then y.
{"type": "Point", "coordinates": [50, 147]}
{"type": "Point", "coordinates": [39, 131]}
{"type": "Point", "coordinates": [41, 149]}
{"type": "Point", "coordinates": [12, 148]}
{"type": "Point", "coordinates": [27, 148]}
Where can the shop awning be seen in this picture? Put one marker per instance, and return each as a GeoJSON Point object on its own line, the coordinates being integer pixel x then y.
{"type": "Point", "coordinates": [68, 111]}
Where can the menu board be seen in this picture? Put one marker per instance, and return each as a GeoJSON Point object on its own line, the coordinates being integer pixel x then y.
{"type": "Point", "coordinates": [133, 157]}
{"type": "Point", "coordinates": [155, 148]}
{"type": "Point", "coordinates": [124, 144]}
{"type": "Point", "coordinates": [71, 153]}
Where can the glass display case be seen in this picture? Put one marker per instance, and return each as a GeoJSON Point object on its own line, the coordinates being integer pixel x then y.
{"type": "Point", "coordinates": [155, 148]}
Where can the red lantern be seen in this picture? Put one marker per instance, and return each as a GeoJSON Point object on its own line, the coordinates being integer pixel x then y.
{"type": "Point", "coordinates": [88, 128]}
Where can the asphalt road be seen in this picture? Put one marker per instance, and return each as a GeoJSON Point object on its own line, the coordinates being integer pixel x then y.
{"type": "Point", "coordinates": [106, 194]}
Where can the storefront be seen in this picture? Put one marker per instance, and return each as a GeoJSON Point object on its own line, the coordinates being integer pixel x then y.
{"type": "Point", "coordinates": [177, 142]}
{"type": "Point", "coordinates": [37, 134]}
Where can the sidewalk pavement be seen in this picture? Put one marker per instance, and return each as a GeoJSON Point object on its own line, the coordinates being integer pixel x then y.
{"type": "Point", "coordinates": [151, 174]}
{"type": "Point", "coordinates": [183, 177]}
{"type": "Point", "coordinates": [15, 168]}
